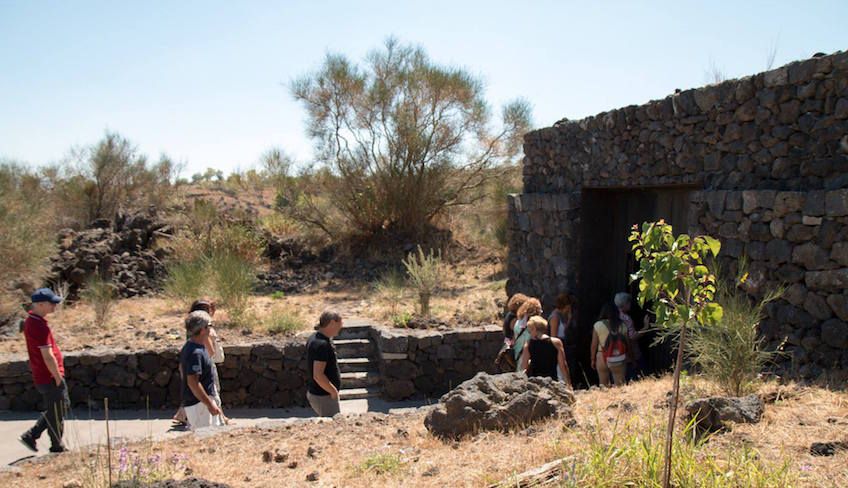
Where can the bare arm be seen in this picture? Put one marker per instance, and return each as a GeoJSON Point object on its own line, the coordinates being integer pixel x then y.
{"type": "Point", "coordinates": [563, 366]}
{"type": "Point", "coordinates": [320, 377]}
{"type": "Point", "coordinates": [52, 364]}
{"type": "Point", "coordinates": [194, 385]}
{"type": "Point", "coordinates": [594, 348]}
{"type": "Point", "coordinates": [553, 325]}
{"type": "Point", "coordinates": [525, 358]}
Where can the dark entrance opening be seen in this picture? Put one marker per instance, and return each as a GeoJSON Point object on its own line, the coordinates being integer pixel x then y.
{"type": "Point", "coordinates": [607, 260]}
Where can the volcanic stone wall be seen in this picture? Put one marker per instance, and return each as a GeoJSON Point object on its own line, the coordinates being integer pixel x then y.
{"type": "Point", "coordinates": [257, 375]}
{"type": "Point", "coordinates": [431, 363]}
{"type": "Point", "coordinates": [418, 363]}
{"type": "Point", "coordinates": [765, 156]}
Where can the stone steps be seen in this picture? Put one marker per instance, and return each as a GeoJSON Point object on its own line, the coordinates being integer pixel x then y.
{"type": "Point", "coordinates": [353, 348]}
{"type": "Point", "coordinates": [355, 332]}
{"type": "Point", "coordinates": [359, 370]}
{"type": "Point", "coordinates": [356, 365]}
{"type": "Point", "coordinates": [360, 379]}
{"type": "Point", "coordinates": [357, 393]}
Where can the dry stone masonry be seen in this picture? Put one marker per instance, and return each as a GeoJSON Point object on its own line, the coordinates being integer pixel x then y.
{"type": "Point", "coordinates": [406, 364]}
{"type": "Point", "coordinates": [766, 160]}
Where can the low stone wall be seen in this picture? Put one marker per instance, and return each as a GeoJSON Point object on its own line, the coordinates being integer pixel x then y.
{"type": "Point", "coordinates": [255, 375]}
{"type": "Point", "coordinates": [412, 363]}
{"type": "Point", "coordinates": [430, 363]}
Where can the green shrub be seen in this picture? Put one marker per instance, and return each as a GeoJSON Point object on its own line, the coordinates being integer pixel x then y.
{"type": "Point", "coordinates": [186, 281]}
{"type": "Point", "coordinates": [402, 319]}
{"type": "Point", "coordinates": [391, 288]}
{"type": "Point", "coordinates": [382, 464]}
{"type": "Point", "coordinates": [283, 321]}
{"type": "Point", "coordinates": [232, 280]}
{"type": "Point", "coordinates": [101, 295]}
{"type": "Point", "coordinates": [28, 225]}
{"type": "Point", "coordinates": [278, 295]}
{"type": "Point", "coordinates": [731, 352]}
{"type": "Point", "coordinates": [424, 272]}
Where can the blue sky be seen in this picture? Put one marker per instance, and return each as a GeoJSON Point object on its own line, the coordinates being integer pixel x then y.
{"type": "Point", "coordinates": [205, 82]}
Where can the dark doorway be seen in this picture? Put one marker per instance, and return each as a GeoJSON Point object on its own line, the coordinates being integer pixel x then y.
{"type": "Point", "coordinates": [607, 260]}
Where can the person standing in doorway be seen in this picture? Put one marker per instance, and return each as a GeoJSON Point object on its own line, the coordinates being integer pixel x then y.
{"type": "Point", "coordinates": [198, 383]}
{"type": "Point", "coordinates": [48, 371]}
{"type": "Point", "coordinates": [324, 379]}
{"type": "Point", "coordinates": [563, 326]}
{"type": "Point", "coordinates": [636, 363]}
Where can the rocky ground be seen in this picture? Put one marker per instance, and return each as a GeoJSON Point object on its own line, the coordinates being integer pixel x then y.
{"type": "Point", "coordinates": [379, 450]}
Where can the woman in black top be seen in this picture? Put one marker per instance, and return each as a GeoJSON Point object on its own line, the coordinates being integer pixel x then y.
{"type": "Point", "coordinates": [542, 353]}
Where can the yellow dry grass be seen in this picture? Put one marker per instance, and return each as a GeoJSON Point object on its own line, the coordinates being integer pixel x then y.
{"type": "Point", "coordinates": [378, 450]}
{"type": "Point", "coordinates": [468, 293]}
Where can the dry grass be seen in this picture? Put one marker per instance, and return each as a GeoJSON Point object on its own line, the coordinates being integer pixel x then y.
{"type": "Point", "coordinates": [376, 450]}
{"type": "Point", "coordinates": [468, 294]}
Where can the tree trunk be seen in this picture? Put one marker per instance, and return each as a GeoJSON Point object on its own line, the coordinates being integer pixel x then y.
{"type": "Point", "coordinates": [424, 300]}
{"type": "Point", "coordinates": [672, 410]}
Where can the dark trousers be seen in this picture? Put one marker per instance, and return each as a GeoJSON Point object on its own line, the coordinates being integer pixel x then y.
{"type": "Point", "coordinates": [52, 419]}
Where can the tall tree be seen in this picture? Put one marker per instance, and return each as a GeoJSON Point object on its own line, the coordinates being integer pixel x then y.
{"type": "Point", "coordinates": [404, 137]}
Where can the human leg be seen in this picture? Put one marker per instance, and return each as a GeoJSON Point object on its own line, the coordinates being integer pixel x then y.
{"type": "Point", "coordinates": [601, 368]}
{"type": "Point", "coordinates": [56, 403]}
{"type": "Point", "coordinates": [618, 371]}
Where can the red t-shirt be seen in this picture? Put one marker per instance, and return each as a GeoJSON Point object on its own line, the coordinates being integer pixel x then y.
{"type": "Point", "coordinates": [38, 335]}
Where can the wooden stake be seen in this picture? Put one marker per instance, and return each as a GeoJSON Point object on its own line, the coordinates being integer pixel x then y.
{"type": "Point", "coordinates": [108, 440]}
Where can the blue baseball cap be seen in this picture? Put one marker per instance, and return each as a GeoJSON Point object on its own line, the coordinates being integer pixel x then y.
{"type": "Point", "coordinates": [45, 295]}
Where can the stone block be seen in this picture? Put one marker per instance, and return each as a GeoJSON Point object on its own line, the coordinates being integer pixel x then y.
{"type": "Point", "coordinates": [836, 203]}
{"type": "Point", "coordinates": [398, 389]}
{"type": "Point", "coordinates": [834, 333]}
{"type": "Point", "coordinates": [810, 255]}
{"type": "Point", "coordinates": [817, 306]}
{"type": "Point", "coordinates": [401, 369]}
{"type": "Point", "coordinates": [839, 305]}
{"type": "Point", "coordinates": [779, 251]}
{"type": "Point", "coordinates": [445, 351]}
{"type": "Point", "coordinates": [829, 280]}
{"type": "Point", "coordinates": [839, 253]}
{"type": "Point", "coordinates": [393, 343]}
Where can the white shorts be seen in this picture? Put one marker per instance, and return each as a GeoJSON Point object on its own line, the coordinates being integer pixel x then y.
{"type": "Point", "coordinates": [199, 417]}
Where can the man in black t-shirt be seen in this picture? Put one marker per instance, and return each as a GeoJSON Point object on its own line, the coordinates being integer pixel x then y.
{"type": "Point", "coordinates": [198, 380]}
{"type": "Point", "coordinates": [324, 379]}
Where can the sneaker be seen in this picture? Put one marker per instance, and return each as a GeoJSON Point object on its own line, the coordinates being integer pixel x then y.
{"type": "Point", "coordinates": [58, 449]}
{"type": "Point", "coordinates": [29, 442]}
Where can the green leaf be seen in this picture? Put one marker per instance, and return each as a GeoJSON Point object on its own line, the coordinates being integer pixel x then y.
{"type": "Point", "coordinates": [714, 244]}
{"type": "Point", "coordinates": [712, 313]}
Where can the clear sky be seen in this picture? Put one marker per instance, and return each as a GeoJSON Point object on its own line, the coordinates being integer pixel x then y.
{"type": "Point", "coordinates": [206, 82]}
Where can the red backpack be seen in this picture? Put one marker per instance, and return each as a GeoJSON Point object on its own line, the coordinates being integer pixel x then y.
{"type": "Point", "coordinates": [615, 347]}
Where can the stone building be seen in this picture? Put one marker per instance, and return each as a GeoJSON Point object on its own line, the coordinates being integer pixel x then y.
{"type": "Point", "coordinates": [759, 162]}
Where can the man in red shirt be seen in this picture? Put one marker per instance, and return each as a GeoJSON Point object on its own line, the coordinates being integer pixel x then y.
{"type": "Point", "coordinates": [48, 371]}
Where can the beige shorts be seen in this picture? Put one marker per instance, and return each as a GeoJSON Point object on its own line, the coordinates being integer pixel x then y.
{"type": "Point", "coordinates": [324, 406]}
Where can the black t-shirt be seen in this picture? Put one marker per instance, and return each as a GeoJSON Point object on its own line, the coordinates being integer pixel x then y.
{"type": "Point", "coordinates": [195, 360]}
{"type": "Point", "coordinates": [320, 348]}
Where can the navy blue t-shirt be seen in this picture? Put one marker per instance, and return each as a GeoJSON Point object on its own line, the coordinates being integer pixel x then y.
{"type": "Point", "coordinates": [195, 360]}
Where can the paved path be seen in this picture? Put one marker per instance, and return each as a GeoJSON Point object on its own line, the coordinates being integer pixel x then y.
{"type": "Point", "coordinates": [86, 428]}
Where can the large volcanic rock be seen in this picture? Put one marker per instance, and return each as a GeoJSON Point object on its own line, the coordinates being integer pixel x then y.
{"type": "Point", "coordinates": [711, 414]}
{"type": "Point", "coordinates": [498, 402]}
{"type": "Point", "coordinates": [122, 251]}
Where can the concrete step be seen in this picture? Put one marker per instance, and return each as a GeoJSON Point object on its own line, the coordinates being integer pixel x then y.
{"type": "Point", "coordinates": [355, 332]}
{"type": "Point", "coordinates": [356, 365]}
{"type": "Point", "coordinates": [355, 393]}
{"type": "Point", "coordinates": [353, 348]}
{"type": "Point", "coordinates": [360, 379]}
